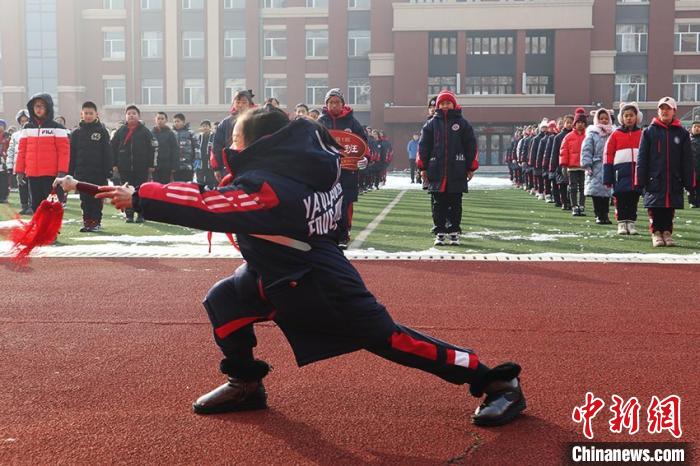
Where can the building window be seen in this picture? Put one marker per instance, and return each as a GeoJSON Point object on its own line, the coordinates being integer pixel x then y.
{"type": "Point", "coordinates": [687, 38]}
{"type": "Point", "coordinates": [41, 39]}
{"type": "Point", "coordinates": [359, 91]}
{"type": "Point", "coordinates": [193, 92]}
{"type": "Point", "coordinates": [685, 87]}
{"type": "Point", "coordinates": [115, 91]}
{"type": "Point", "coordinates": [275, 44]}
{"type": "Point", "coordinates": [440, 83]}
{"type": "Point", "coordinates": [234, 44]}
{"type": "Point", "coordinates": [151, 44]}
{"type": "Point", "coordinates": [192, 4]}
{"type": "Point", "coordinates": [277, 88]}
{"type": "Point", "coordinates": [316, 3]}
{"type": "Point", "coordinates": [317, 43]}
{"type": "Point", "coordinates": [316, 91]}
{"type": "Point", "coordinates": [539, 84]}
{"type": "Point", "coordinates": [114, 46]}
{"type": "Point", "coordinates": [358, 4]}
{"type": "Point", "coordinates": [631, 38]}
{"type": "Point", "coordinates": [486, 85]}
{"type": "Point", "coordinates": [630, 87]}
{"type": "Point", "coordinates": [151, 4]}
{"type": "Point", "coordinates": [234, 4]}
{"type": "Point", "coordinates": [113, 4]}
{"type": "Point", "coordinates": [501, 45]}
{"type": "Point", "coordinates": [231, 86]}
{"type": "Point", "coordinates": [536, 45]}
{"type": "Point", "coordinates": [193, 44]}
{"type": "Point", "coordinates": [152, 91]}
{"type": "Point", "coordinates": [275, 3]}
{"type": "Point", "coordinates": [359, 43]}
{"type": "Point", "coordinates": [443, 45]}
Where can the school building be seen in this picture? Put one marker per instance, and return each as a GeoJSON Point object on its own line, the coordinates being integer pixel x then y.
{"type": "Point", "coordinates": [511, 62]}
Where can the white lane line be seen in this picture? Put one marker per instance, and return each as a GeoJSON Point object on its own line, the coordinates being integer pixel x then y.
{"type": "Point", "coordinates": [357, 242]}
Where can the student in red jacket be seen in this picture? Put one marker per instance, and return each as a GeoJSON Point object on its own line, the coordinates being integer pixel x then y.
{"type": "Point", "coordinates": [570, 161]}
{"type": "Point", "coordinates": [44, 150]}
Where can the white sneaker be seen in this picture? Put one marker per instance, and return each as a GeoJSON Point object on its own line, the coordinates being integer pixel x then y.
{"type": "Point", "coordinates": [439, 239]}
{"type": "Point", "coordinates": [668, 239]}
{"type": "Point", "coordinates": [540, 197]}
{"type": "Point", "coordinates": [548, 199]}
{"type": "Point", "coordinates": [622, 228]}
{"type": "Point", "coordinates": [631, 229]}
{"type": "Point", "coordinates": [454, 238]}
{"type": "Point", "coordinates": [657, 240]}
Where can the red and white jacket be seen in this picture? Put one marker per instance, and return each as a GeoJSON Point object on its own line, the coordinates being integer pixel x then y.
{"type": "Point", "coordinates": [44, 145]}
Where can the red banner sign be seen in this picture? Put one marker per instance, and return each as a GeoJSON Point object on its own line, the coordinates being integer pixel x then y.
{"type": "Point", "coordinates": [354, 148]}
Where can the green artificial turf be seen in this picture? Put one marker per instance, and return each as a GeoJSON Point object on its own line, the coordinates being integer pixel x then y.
{"type": "Point", "coordinates": [512, 221]}
{"type": "Point", "coordinates": [502, 220]}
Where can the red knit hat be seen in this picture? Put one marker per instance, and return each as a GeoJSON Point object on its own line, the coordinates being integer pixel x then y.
{"type": "Point", "coordinates": [446, 96]}
{"type": "Point", "coordinates": [580, 115]}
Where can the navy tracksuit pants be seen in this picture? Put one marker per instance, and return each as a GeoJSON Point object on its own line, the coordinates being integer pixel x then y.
{"type": "Point", "coordinates": [237, 302]}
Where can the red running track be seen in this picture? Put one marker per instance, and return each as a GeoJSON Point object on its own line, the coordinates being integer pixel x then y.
{"type": "Point", "coordinates": [102, 358]}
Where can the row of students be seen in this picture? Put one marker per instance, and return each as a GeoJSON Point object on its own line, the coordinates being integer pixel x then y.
{"type": "Point", "coordinates": [563, 166]}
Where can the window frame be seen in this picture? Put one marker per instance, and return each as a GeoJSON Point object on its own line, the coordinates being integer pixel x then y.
{"type": "Point", "coordinates": [188, 94]}
{"type": "Point", "coordinates": [313, 43]}
{"type": "Point", "coordinates": [110, 91]}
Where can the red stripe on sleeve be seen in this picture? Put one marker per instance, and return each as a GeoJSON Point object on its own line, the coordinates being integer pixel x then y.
{"type": "Point", "coordinates": [408, 344]}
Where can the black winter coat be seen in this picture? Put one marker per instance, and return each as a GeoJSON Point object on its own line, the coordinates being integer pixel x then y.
{"type": "Point", "coordinates": [138, 154]}
{"type": "Point", "coordinates": [556, 148]}
{"type": "Point", "coordinates": [447, 149]}
{"type": "Point", "coordinates": [665, 164]}
{"type": "Point", "coordinates": [90, 154]}
{"type": "Point", "coordinates": [168, 149]}
{"type": "Point", "coordinates": [188, 148]}
{"type": "Point", "coordinates": [695, 145]}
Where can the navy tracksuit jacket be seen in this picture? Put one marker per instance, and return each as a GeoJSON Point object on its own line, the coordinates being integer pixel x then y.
{"type": "Point", "coordinates": [287, 184]}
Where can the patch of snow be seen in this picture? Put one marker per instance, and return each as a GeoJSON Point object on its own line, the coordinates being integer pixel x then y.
{"type": "Point", "coordinates": [403, 181]}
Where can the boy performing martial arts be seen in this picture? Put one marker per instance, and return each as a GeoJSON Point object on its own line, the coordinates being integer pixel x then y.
{"type": "Point", "coordinates": [283, 202]}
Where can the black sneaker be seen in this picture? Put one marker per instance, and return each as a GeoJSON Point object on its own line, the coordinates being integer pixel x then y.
{"type": "Point", "coordinates": [235, 395]}
{"type": "Point", "coordinates": [454, 239]}
{"type": "Point", "coordinates": [439, 239]}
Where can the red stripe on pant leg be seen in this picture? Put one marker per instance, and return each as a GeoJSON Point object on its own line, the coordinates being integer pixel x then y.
{"type": "Point", "coordinates": [237, 324]}
{"type": "Point", "coordinates": [407, 344]}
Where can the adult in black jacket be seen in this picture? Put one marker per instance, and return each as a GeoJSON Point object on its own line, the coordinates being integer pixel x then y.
{"type": "Point", "coordinates": [447, 150]}
{"type": "Point", "coordinates": [337, 115]}
{"type": "Point", "coordinates": [242, 101]}
{"type": "Point", "coordinates": [283, 206]}
{"type": "Point", "coordinates": [664, 168]}
{"type": "Point", "coordinates": [133, 154]}
{"type": "Point", "coordinates": [91, 161]}
{"type": "Point", "coordinates": [168, 150]}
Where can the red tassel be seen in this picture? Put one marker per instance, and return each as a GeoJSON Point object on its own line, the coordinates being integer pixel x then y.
{"type": "Point", "coordinates": [41, 230]}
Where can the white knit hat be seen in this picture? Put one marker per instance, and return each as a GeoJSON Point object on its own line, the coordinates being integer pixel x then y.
{"type": "Point", "coordinates": [627, 106]}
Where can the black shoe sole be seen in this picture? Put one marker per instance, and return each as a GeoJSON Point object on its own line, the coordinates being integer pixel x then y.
{"type": "Point", "coordinates": [249, 405]}
{"type": "Point", "coordinates": [512, 413]}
